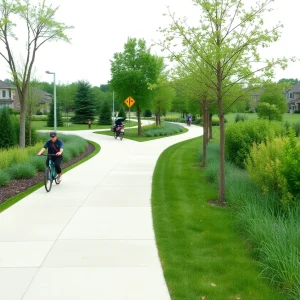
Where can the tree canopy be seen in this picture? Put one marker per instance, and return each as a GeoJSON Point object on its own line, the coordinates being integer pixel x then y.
{"type": "Point", "coordinates": [132, 71]}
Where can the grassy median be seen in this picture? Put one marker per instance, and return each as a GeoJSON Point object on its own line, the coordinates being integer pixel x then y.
{"type": "Point", "coordinates": [202, 254]}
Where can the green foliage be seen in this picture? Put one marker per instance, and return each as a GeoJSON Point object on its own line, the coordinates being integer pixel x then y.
{"type": "Point", "coordinates": [7, 132]}
{"type": "Point", "coordinates": [290, 166]}
{"type": "Point", "coordinates": [122, 112]}
{"type": "Point", "coordinates": [269, 112]}
{"type": "Point", "coordinates": [34, 134]}
{"type": "Point", "coordinates": [272, 236]}
{"type": "Point", "coordinates": [273, 94]}
{"type": "Point", "coordinates": [50, 120]}
{"type": "Point", "coordinates": [147, 113]}
{"type": "Point", "coordinates": [263, 166]}
{"type": "Point", "coordinates": [241, 136]}
{"type": "Point", "coordinates": [21, 171]}
{"type": "Point", "coordinates": [105, 114]}
{"type": "Point", "coordinates": [38, 162]}
{"type": "Point", "coordinates": [164, 130]}
{"type": "Point", "coordinates": [133, 70]}
{"type": "Point", "coordinates": [84, 104]}
{"type": "Point", "coordinates": [239, 117]}
{"type": "Point", "coordinates": [4, 178]}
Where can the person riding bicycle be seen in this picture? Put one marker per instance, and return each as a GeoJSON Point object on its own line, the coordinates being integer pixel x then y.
{"type": "Point", "coordinates": [118, 122]}
{"type": "Point", "coordinates": [54, 146]}
{"type": "Point", "coordinates": [188, 119]}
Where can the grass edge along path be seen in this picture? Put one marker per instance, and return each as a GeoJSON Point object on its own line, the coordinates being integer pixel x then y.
{"type": "Point", "coordinates": [202, 255]}
{"type": "Point", "coordinates": [11, 201]}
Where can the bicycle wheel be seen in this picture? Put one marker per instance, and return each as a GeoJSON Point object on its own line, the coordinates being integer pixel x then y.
{"type": "Point", "coordinates": [121, 136]}
{"type": "Point", "coordinates": [56, 180]}
{"type": "Point", "coordinates": [48, 179]}
{"type": "Point", "coordinates": [115, 135]}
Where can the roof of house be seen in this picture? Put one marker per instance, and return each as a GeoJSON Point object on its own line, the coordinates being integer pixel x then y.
{"type": "Point", "coordinates": [43, 97]}
{"type": "Point", "coordinates": [295, 88]}
{"type": "Point", "coordinates": [4, 85]}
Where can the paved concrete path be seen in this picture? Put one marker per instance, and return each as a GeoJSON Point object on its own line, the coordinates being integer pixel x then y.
{"type": "Point", "coordinates": [91, 237]}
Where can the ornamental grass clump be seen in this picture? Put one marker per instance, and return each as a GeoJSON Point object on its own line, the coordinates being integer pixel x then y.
{"type": "Point", "coordinates": [21, 171]}
{"type": "Point", "coordinates": [4, 178]}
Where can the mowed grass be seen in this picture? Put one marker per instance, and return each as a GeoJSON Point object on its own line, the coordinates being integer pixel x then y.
{"type": "Point", "coordinates": [42, 125]}
{"type": "Point", "coordinates": [291, 118]}
{"type": "Point", "coordinates": [202, 254]}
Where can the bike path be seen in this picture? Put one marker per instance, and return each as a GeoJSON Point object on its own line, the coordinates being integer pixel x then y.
{"type": "Point", "coordinates": [92, 236]}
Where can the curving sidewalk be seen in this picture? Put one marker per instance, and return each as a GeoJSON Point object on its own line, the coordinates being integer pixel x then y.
{"type": "Point", "coordinates": [91, 237]}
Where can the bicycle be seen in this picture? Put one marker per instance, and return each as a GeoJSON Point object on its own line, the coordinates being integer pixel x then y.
{"type": "Point", "coordinates": [50, 173]}
{"type": "Point", "coordinates": [119, 132]}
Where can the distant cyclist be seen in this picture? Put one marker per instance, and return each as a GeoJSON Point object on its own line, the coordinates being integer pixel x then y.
{"type": "Point", "coordinates": [54, 146]}
{"type": "Point", "coordinates": [188, 119]}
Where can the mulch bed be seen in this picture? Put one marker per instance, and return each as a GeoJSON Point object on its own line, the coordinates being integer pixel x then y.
{"type": "Point", "coordinates": [18, 186]}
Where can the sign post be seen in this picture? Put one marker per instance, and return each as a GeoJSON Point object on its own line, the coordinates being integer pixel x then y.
{"type": "Point", "coordinates": [129, 102]}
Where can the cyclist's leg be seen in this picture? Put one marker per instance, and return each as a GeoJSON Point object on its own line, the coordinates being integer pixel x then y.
{"type": "Point", "coordinates": [57, 162]}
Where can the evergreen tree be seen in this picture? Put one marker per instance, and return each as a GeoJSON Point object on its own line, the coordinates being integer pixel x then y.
{"type": "Point", "coordinates": [84, 104]}
{"type": "Point", "coordinates": [7, 133]}
{"type": "Point", "coordinates": [122, 112]}
{"type": "Point", "coordinates": [105, 115]}
{"type": "Point", "coordinates": [59, 120]}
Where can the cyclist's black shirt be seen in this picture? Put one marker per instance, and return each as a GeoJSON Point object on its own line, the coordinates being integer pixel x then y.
{"type": "Point", "coordinates": [58, 144]}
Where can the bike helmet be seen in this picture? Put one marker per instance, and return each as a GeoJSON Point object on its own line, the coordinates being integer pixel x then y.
{"type": "Point", "coordinates": [52, 134]}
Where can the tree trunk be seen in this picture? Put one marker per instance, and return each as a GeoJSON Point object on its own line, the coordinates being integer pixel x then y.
{"type": "Point", "coordinates": [210, 126]}
{"type": "Point", "coordinates": [138, 112]}
{"type": "Point", "coordinates": [204, 138]}
{"type": "Point", "coordinates": [156, 119]}
{"type": "Point", "coordinates": [222, 134]}
{"type": "Point", "coordinates": [207, 123]}
{"type": "Point", "coordinates": [22, 121]}
{"type": "Point", "coordinates": [158, 116]}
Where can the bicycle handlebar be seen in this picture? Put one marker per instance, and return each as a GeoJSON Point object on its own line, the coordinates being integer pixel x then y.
{"type": "Point", "coordinates": [48, 155]}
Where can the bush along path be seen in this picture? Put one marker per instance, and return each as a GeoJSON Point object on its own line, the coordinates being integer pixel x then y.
{"type": "Point", "coordinates": [17, 186]}
{"type": "Point", "coordinates": [202, 254]}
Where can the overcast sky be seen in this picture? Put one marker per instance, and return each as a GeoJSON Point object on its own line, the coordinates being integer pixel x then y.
{"type": "Point", "coordinates": [101, 28]}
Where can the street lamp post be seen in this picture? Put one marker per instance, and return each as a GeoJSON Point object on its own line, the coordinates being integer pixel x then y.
{"type": "Point", "coordinates": [55, 122]}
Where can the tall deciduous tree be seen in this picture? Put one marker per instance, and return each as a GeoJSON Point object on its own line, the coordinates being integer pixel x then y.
{"type": "Point", "coordinates": [132, 71]}
{"type": "Point", "coordinates": [228, 40]}
{"type": "Point", "coordinates": [41, 28]}
{"type": "Point", "coordinates": [163, 95]}
{"type": "Point", "coordinates": [84, 103]}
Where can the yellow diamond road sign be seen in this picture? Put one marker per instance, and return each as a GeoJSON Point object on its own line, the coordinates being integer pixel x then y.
{"type": "Point", "coordinates": [129, 101]}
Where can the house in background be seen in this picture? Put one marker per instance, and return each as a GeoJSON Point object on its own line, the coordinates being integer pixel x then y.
{"type": "Point", "coordinates": [293, 98]}
{"type": "Point", "coordinates": [8, 96]}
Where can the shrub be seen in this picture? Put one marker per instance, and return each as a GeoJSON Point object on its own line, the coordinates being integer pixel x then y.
{"type": "Point", "coordinates": [241, 136]}
{"type": "Point", "coordinates": [21, 171]}
{"type": "Point", "coordinates": [147, 113]}
{"type": "Point", "coordinates": [296, 127]}
{"type": "Point", "coordinates": [269, 112]}
{"type": "Point", "coordinates": [122, 112]}
{"type": "Point", "coordinates": [4, 178]}
{"type": "Point", "coordinates": [38, 162]}
{"type": "Point", "coordinates": [239, 117]}
{"type": "Point", "coordinates": [105, 114]}
{"type": "Point", "coordinates": [263, 165]}
{"type": "Point", "coordinates": [7, 132]}
{"type": "Point", "coordinates": [290, 166]}
{"type": "Point", "coordinates": [164, 129]}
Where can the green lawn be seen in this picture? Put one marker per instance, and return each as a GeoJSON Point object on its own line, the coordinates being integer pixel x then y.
{"type": "Point", "coordinates": [202, 255]}
{"type": "Point", "coordinates": [291, 118]}
{"type": "Point", "coordinates": [42, 125]}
